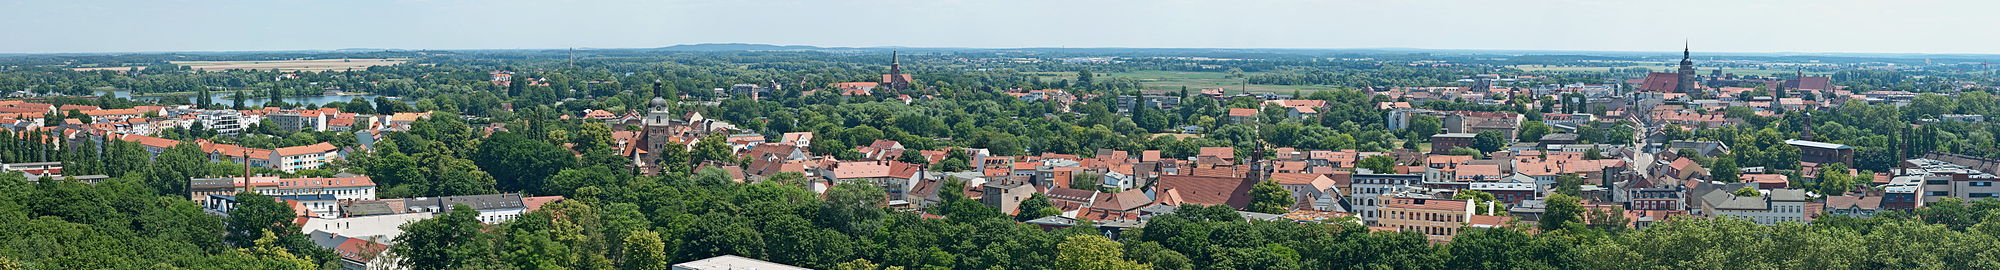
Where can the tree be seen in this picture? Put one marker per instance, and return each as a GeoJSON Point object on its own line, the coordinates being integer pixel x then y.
{"type": "Point", "coordinates": [1562, 210]}
{"type": "Point", "coordinates": [1425, 126]}
{"type": "Point", "coordinates": [1270, 198]}
{"type": "Point", "coordinates": [1569, 184]}
{"type": "Point", "coordinates": [1092, 252]}
{"type": "Point", "coordinates": [712, 148]}
{"type": "Point", "coordinates": [1036, 206]}
{"type": "Point", "coordinates": [644, 251]}
{"type": "Point", "coordinates": [1610, 219]}
{"type": "Point", "coordinates": [239, 101]}
{"type": "Point", "coordinates": [1084, 80]}
{"type": "Point", "coordinates": [1747, 191]}
{"type": "Point", "coordinates": [1483, 203]}
{"type": "Point", "coordinates": [449, 241]}
{"type": "Point", "coordinates": [255, 215]}
{"type": "Point", "coordinates": [1532, 131]}
{"type": "Point", "coordinates": [519, 163]}
{"type": "Point", "coordinates": [269, 255]}
{"type": "Point", "coordinates": [1377, 163]}
{"type": "Point", "coordinates": [569, 180]}
{"type": "Point", "coordinates": [1724, 170]}
{"type": "Point", "coordinates": [1834, 180]}
{"type": "Point", "coordinates": [592, 136]}
{"type": "Point", "coordinates": [202, 99]}
{"type": "Point", "coordinates": [1489, 141]}
{"type": "Point", "coordinates": [955, 160]}
{"type": "Point", "coordinates": [912, 156]}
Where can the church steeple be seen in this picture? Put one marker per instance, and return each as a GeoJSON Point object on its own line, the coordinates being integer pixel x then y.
{"type": "Point", "coordinates": [895, 78]}
{"type": "Point", "coordinates": [1687, 81]}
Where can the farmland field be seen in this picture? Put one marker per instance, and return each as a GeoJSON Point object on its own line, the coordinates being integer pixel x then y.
{"type": "Point", "coordinates": [293, 65]}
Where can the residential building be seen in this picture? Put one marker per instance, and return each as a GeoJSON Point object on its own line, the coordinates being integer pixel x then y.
{"type": "Point", "coordinates": [1438, 219]}
{"type": "Point", "coordinates": [1365, 196]}
{"type": "Point", "coordinates": [1443, 143]}
{"type": "Point", "coordinates": [1770, 207]}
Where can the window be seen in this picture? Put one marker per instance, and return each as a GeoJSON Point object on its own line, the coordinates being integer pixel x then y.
{"type": "Point", "coordinates": [1982, 195]}
{"type": "Point", "coordinates": [1940, 193]}
{"type": "Point", "coordinates": [1982, 183]}
{"type": "Point", "coordinates": [1937, 182]}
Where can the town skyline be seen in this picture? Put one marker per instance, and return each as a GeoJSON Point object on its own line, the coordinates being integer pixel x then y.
{"type": "Point", "coordinates": [1721, 26]}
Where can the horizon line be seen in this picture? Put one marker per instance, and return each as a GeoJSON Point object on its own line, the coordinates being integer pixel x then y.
{"type": "Point", "coordinates": [879, 47]}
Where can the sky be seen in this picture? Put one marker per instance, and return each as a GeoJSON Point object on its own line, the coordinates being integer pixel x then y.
{"type": "Point", "coordinates": [1813, 26]}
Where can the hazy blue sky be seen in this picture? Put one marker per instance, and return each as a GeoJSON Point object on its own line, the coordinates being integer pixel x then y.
{"type": "Point", "coordinates": [1924, 26]}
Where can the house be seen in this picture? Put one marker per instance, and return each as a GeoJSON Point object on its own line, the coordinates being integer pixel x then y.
{"type": "Point", "coordinates": [856, 88]}
{"type": "Point", "coordinates": [1767, 181]}
{"type": "Point", "coordinates": [1443, 143]}
{"type": "Point", "coordinates": [359, 253]}
{"type": "Point", "coordinates": [1306, 187]}
{"type": "Point", "coordinates": [342, 187]}
{"type": "Point", "coordinates": [1005, 195]}
{"type": "Point", "coordinates": [1703, 148]}
{"type": "Point", "coordinates": [1437, 219]}
{"type": "Point", "coordinates": [1683, 169]}
{"type": "Point", "coordinates": [1216, 156]}
{"type": "Point", "coordinates": [881, 150]}
{"type": "Point", "coordinates": [1204, 190]}
{"type": "Point", "coordinates": [493, 209]}
{"type": "Point", "coordinates": [1242, 115]}
{"type": "Point", "coordinates": [293, 159]}
{"type": "Point", "coordinates": [300, 120]}
{"type": "Point", "coordinates": [1767, 208]}
{"type": "Point", "coordinates": [1367, 188]}
{"type": "Point", "coordinates": [1860, 205]}
{"type": "Point", "coordinates": [801, 139]}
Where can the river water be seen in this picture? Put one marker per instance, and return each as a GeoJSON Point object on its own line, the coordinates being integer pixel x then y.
{"type": "Point", "coordinates": [255, 99]}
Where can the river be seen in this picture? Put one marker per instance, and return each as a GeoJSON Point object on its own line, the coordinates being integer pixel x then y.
{"type": "Point", "coordinates": [254, 100]}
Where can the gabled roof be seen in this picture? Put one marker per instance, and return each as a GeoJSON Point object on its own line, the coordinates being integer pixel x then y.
{"type": "Point", "coordinates": [1230, 191]}
{"type": "Point", "coordinates": [1121, 201]}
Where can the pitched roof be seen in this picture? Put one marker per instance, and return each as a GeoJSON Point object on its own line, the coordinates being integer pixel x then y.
{"type": "Point", "coordinates": [309, 149]}
{"type": "Point", "coordinates": [1297, 178]}
{"type": "Point", "coordinates": [1230, 191]}
{"type": "Point", "coordinates": [1242, 112]}
{"type": "Point", "coordinates": [1862, 202]}
{"type": "Point", "coordinates": [1121, 201]}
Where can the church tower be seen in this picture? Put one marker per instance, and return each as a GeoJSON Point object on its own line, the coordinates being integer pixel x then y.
{"type": "Point", "coordinates": [1687, 81]}
{"type": "Point", "coordinates": [895, 79]}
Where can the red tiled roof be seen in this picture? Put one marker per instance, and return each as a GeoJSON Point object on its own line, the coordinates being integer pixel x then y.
{"type": "Point", "coordinates": [1661, 81]}
{"type": "Point", "coordinates": [1242, 112]}
{"type": "Point", "coordinates": [309, 149]}
{"type": "Point", "coordinates": [535, 203]}
{"type": "Point", "coordinates": [1230, 191]}
{"type": "Point", "coordinates": [362, 181]}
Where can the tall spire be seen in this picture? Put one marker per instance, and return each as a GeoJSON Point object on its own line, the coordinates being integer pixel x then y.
{"type": "Point", "coordinates": [895, 80]}
{"type": "Point", "coordinates": [1685, 50]}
